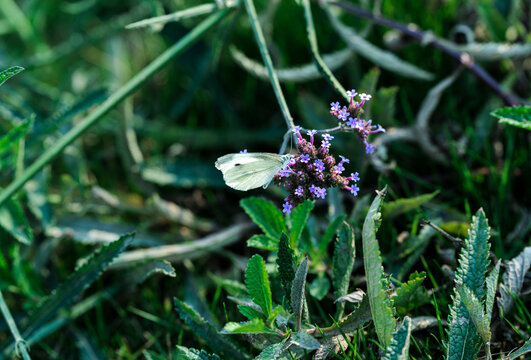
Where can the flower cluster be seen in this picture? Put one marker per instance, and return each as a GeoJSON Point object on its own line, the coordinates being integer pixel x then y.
{"type": "Point", "coordinates": [313, 171]}
{"type": "Point", "coordinates": [350, 116]}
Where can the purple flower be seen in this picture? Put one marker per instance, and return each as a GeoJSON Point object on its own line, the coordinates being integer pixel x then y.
{"type": "Point", "coordinates": [305, 158]}
{"type": "Point", "coordinates": [285, 172]}
{"type": "Point", "coordinates": [355, 177]}
{"type": "Point", "coordinates": [286, 207]}
{"type": "Point", "coordinates": [311, 133]}
{"type": "Point", "coordinates": [378, 129]}
{"type": "Point", "coordinates": [343, 113]}
{"type": "Point", "coordinates": [313, 189]}
{"type": "Point", "coordinates": [322, 193]}
{"type": "Point", "coordinates": [244, 151]}
{"type": "Point", "coordinates": [299, 191]}
{"type": "Point", "coordinates": [319, 165]}
{"type": "Point", "coordinates": [344, 159]}
{"type": "Point", "coordinates": [354, 190]}
{"type": "Point", "coordinates": [369, 149]}
{"type": "Point", "coordinates": [327, 137]}
{"type": "Point", "coordinates": [297, 129]}
{"type": "Point", "coordinates": [352, 122]}
{"type": "Point", "coordinates": [352, 93]}
{"type": "Point", "coordinates": [364, 97]}
{"type": "Point", "coordinates": [334, 106]}
{"type": "Point", "coordinates": [339, 168]}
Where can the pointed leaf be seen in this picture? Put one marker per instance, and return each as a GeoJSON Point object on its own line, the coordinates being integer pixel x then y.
{"type": "Point", "coordinates": [379, 299]}
{"type": "Point", "coordinates": [475, 310]}
{"type": "Point", "coordinates": [257, 283]}
{"type": "Point", "coordinates": [12, 71]}
{"type": "Point", "coordinates": [254, 326]}
{"type": "Point", "coordinates": [399, 348]}
{"type": "Point", "coordinates": [285, 263]}
{"type": "Point", "coordinates": [249, 312]}
{"type": "Point", "coordinates": [305, 341]}
{"type": "Point", "coordinates": [298, 218]}
{"type": "Point", "coordinates": [492, 282]}
{"type": "Point", "coordinates": [263, 242]}
{"type": "Point", "coordinates": [519, 116]}
{"type": "Point", "coordinates": [411, 294]}
{"type": "Point", "coordinates": [184, 353]}
{"type": "Point", "coordinates": [207, 332]}
{"type": "Point", "coordinates": [343, 261]}
{"type": "Point", "coordinates": [84, 275]}
{"type": "Point", "coordinates": [463, 338]}
{"type": "Point", "coordinates": [297, 292]}
{"type": "Point", "coordinates": [360, 316]}
{"type": "Point", "coordinates": [265, 215]}
{"type": "Point", "coordinates": [272, 352]}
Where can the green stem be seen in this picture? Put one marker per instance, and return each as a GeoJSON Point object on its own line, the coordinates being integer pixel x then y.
{"type": "Point", "coordinates": [312, 38]}
{"type": "Point", "coordinates": [251, 11]}
{"type": "Point", "coordinates": [110, 103]}
{"type": "Point", "coordinates": [20, 343]}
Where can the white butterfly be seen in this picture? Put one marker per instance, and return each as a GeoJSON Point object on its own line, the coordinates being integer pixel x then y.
{"type": "Point", "coordinates": [246, 171]}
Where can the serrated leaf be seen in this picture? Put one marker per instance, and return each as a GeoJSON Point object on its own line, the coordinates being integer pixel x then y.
{"type": "Point", "coordinates": [13, 221]}
{"type": "Point", "coordinates": [331, 230]}
{"type": "Point", "coordinates": [319, 287]}
{"type": "Point", "coordinates": [257, 283]}
{"type": "Point", "coordinates": [411, 294]}
{"type": "Point", "coordinates": [297, 219]}
{"type": "Point", "coordinates": [519, 116]}
{"type": "Point", "coordinates": [297, 292]}
{"type": "Point", "coordinates": [343, 263]}
{"type": "Point", "coordinates": [492, 282]}
{"type": "Point", "coordinates": [265, 215]}
{"type": "Point", "coordinates": [399, 347]}
{"type": "Point", "coordinates": [184, 353]}
{"type": "Point", "coordinates": [84, 275]}
{"type": "Point", "coordinates": [285, 261]}
{"type": "Point", "coordinates": [12, 71]}
{"type": "Point", "coordinates": [463, 339]}
{"type": "Point", "coordinates": [392, 209]}
{"type": "Point", "coordinates": [305, 341]}
{"type": "Point", "coordinates": [263, 242]}
{"type": "Point", "coordinates": [476, 312]}
{"type": "Point", "coordinates": [272, 352]}
{"type": "Point", "coordinates": [254, 326]}
{"type": "Point", "coordinates": [207, 332]}
{"type": "Point", "coordinates": [524, 349]}
{"type": "Point", "coordinates": [249, 312]}
{"type": "Point", "coordinates": [379, 299]}
{"type": "Point", "coordinates": [513, 279]}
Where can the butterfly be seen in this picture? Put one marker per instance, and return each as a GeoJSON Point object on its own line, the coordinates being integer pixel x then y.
{"type": "Point", "coordinates": [247, 171]}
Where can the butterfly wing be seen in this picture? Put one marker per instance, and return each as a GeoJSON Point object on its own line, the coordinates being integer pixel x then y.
{"type": "Point", "coordinates": [250, 170]}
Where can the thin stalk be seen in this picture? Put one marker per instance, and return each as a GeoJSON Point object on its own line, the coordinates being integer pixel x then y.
{"type": "Point", "coordinates": [321, 66]}
{"type": "Point", "coordinates": [110, 103]}
{"type": "Point", "coordinates": [251, 11]}
{"type": "Point", "coordinates": [20, 343]}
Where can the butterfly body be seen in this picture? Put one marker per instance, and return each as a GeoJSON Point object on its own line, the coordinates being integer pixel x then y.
{"type": "Point", "coordinates": [247, 171]}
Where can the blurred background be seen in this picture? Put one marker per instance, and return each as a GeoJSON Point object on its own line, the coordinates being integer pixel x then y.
{"type": "Point", "coordinates": [148, 165]}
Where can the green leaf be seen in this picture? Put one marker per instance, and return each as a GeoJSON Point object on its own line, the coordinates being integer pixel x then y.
{"type": "Point", "coordinates": [379, 299]}
{"type": "Point", "coordinates": [265, 215]}
{"type": "Point", "coordinates": [492, 282]}
{"type": "Point", "coordinates": [84, 275]}
{"type": "Point", "coordinates": [463, 339]}
{"type": "Point", "coordinates": [249, 312]}
{"type": "Point", "coordinates": [519, 116]}
{"type": "Point", "coordinates": [343, 263]}
{"type": "Point", "coordinates": [13, 221]}
{"type": "Point", "coordinates": [285, 263]}
{"type": "Point", "coordinates": [272, 352]}
{"type": "Point", "coordinates": [305, 341]}
{"type": "Point", "coordinates": [524, 349]}
{"type": "Point", "coordinates": [297, 292]}
{"type": "Point", "coordinates": [513, 279]}
{"type": "Point", "coordinates": [394, 208]}
{"type": "Point", "coordinates": [254, 326]}
{"type": "Point", "coordinates": [360, 316]}
{"type": "Point", "coordinates": [6, 74]}
{"type": "Point", "coordinates": [319, 287]}
{"type": "Point", "coordinates": [411, 294]}
{"type": "Point", "coordinates": [11, 139]}
{"type": "Point", "coordinates": [257, 283]}
{"type": "Point", "coordinates": [184, 353]}
{"type": "Point", "coordinates": [399, 347]}
{"type": "Point", "coordinates": [331, 230]}
{"type": "Point", "coordinates": [475, 310]}
{"type": "Point", "coordinates": [297, 219]}
{"type": "Point", "coordinates": [207, 332]}
{"type": "Point", "coordinates": [263, 242]}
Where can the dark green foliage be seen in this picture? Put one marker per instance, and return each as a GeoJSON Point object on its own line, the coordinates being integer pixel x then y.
{"type": "Point", "coordinates": [12, 71]}
{"type": "Point", "coordinates": [285, 261]}
{"type": "Point", "coordinates": [257, 283]}
{"type": "Point", "coordinates": [411, 294]}
{"type": "Point", "coordinates": [518, 116]}
{"type": "Point", "coordinates": [265, 215]}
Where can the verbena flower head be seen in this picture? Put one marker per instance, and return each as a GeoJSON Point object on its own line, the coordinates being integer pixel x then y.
{"type": "Point", "coordinates": [312, 172]}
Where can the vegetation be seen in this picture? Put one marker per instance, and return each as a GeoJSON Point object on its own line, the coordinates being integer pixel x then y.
{"type": "Point", "coordinates": [120, 239]}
